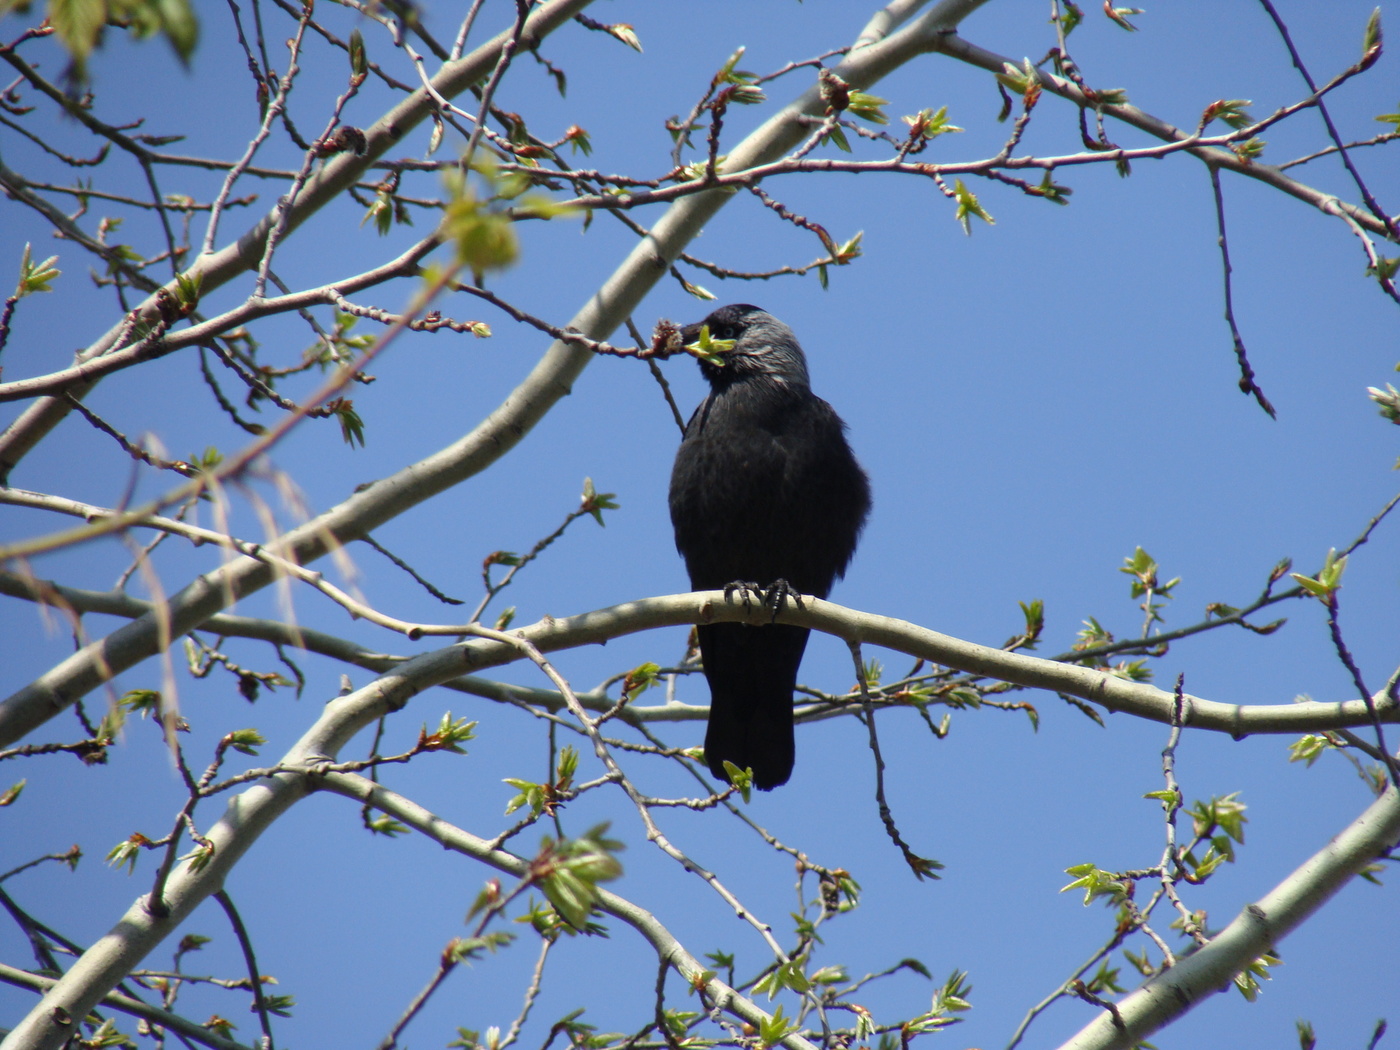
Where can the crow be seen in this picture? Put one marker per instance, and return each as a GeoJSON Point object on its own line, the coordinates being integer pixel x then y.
{"type": "Point", "coordinates": [766, 496]}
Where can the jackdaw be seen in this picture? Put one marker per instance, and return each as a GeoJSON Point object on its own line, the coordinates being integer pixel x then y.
{"type": "Point", "coordinates": [765, 492]}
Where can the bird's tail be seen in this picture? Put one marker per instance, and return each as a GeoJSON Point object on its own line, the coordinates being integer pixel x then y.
{"type": "Point", "coordinates": [752, 671]}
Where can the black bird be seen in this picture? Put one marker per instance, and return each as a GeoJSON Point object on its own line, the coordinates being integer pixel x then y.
{"type": "Point", "coordinates": [765, 491]}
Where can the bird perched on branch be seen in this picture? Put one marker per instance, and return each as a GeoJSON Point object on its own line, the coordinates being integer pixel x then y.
{"type": "Point", "coordinates": [766, 496]}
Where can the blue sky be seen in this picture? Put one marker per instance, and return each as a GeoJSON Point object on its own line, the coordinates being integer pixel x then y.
{"type": "Point", "coordinates": [1031, 402]}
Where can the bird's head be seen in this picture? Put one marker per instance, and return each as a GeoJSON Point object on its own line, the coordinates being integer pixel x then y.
{"type": "Point", "coordinates": [764, 347]}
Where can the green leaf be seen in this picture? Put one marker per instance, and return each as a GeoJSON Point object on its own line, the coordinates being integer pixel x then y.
{"type": "Point", "coordinates": [125, 852]}
{"type": "Point", "coordinates": [352, 427]}
{"type": "Point", "coordinates": [1369, 872]}
{"type": "Point", "coordinates": [1388, 399]}
{"type": "Point", "coordinates": [178, 23]}
{"type": "Point", "coordinates": [1250, 149]}
{"type": "Point", "coordinates": [740, 778]}
{"type": "Point", "coordinates": [1248, 980]}
{"type": "Point", "coordinates": [359, 64]}
{"type": "Point", "coordinates": [624, 32]}
{"type": "Point", "coordinates": [786, 975]}
{"type": "Point", "coordinates": [466, 949]}
{"type": "Point", "coordinates": [1071, 18]}
{"type": "Point", "coordinates": [927, 124]}
{"type": "Point", "coordinates": [918, 967]}
{"type": "Point", "coordinates": [726, 71]}
{"type": "Point", "coordinates": [952, 997]}
{"type": "Point", "coordinates": [450, 734]}
{"type": "Point", "coordinates": [12, 793]}
{"type": "Point", "coordinates": [1309, 747]}
{"type": "Point", "coordinates": [381, 210]}
{"type": "Point", "coordinates": [386, 825]}
{"type": "Point", "coordinates": [595, 502]}
{"type": "Point", "coordinates": [1225, 812]}
{"type": "Point", "coordinates": [708, 349]}
{"type": "Point", "coordinates": [1119, 15]}
{"type": "Point", "coordinates": [696, 290]}
{"type": "Point", "coordinates": [1018, 79]}
{"type": "Point", "coordinates": [1034, 612]}
{"type": "Point", "coordinates": [36, 277]}
{"type": "Point", "coordinates": [1328, 580]}
{"type": "Point", "coordinates": [1105, 979]}
{"type": "Point", "coordinates": [77, 24]}
{"type": "Point", "coordinates": [569, 872]}
{"type": "Point", "coordinates": [850, 250]}
{"type": "Point", "coordinates": [1140, 961]}
{"type": "Point", "coordinates": [187, 288]}
{"type": "Point", "coordinates": [199, 857]}
{"type": "Point", "coordinates": [1052, 190]}
{"type": "Point", "coordinates": [775, 1029]}
{"type": "Point", "coordinates": [144, 701]}
{"type": "Point", "coordinates": [111, 724]}
{"type": "Point", "coordinates": [867, 107]}
{"type": "Point", "coordinates": [485, 240]}
{"type": "Point", "coordinates": [246, 741]}
{"type": "Point", "coordinates": [489, 897]}
{"type": "Point", "coordinates": [579, 141]}
{"type": "Point", "coordinates": [107, 1035]}
{"type": "Point", "coordinates": [1232, 111]}
{"type": "Point", "coordinates": [1095, 882]}
{"type": "Point", "coordinates": [1372, 39]}
{"type": "Point", "coordinates": [640, 679]}
{"type": "Point", "coordinates": [531, 794]}
{"type": "Point", "coordinates": [968, 205]}
{"type": "Point", "coordinates": [1385, 268]}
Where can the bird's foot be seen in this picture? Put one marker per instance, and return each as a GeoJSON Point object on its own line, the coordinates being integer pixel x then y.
{"type": "Point", "coordinates": [748, 593]}
{"type": "Point", "coordinates": [777, 594]}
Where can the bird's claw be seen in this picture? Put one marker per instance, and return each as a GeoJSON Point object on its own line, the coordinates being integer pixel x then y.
{"type": "Point", "coordinates": [772, 597]}
{"type": "Point", "coordinates": [777, 594]}
{"type": "Point", "coordinates": [745, 589]}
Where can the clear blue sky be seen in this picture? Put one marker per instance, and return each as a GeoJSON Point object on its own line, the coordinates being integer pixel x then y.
{"type": "Point", "coordinates": [1031, 402]}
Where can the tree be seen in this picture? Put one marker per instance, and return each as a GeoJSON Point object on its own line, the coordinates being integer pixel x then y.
{"type": "Point", "coordinates": [315, 288]}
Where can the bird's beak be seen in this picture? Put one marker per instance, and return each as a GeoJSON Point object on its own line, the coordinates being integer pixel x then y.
{"type": "Point", "coordinates": [691, 332]}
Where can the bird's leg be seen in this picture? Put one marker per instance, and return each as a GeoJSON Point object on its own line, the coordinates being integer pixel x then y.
{"type": "Point", "coordinates": [745, 589]}
{"type": "Point", "coordinates": [777, 593]}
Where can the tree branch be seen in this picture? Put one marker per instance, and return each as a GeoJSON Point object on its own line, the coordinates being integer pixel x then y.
{"type": "Point", "coordinates": [551, 379]}
{"type": "Point", "coordinates": [1258, 927]}
{"type": "Point", "coordinates": [340, 172]}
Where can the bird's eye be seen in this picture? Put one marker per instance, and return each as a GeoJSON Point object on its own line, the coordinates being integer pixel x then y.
{"type": "Point", "coordinates": [724, 331]}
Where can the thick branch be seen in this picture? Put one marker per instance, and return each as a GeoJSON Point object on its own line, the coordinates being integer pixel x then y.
{"type": "Point", "coordinates": [556, 634]}
{"type": "Point", "coordinates": [107, 961]}
{"type": "Point", "coordinates": [340, 173]}
{"type": "Point", "coordinates": [186, 1028]}
{"type": "Point", "coordinates": [1259, 927]}
{"type": "Point", "coordinates": [49, 1025]}
{"type": "Point", "coordinates": [85, 373]}
{"type": "Point", "coordinates": [551, 379]}
{"type": "Point", "coordinates": [667, 947]}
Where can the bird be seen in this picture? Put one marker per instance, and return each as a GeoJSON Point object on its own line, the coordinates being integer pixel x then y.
{"type": "Point", "coordinates": [766, 496]}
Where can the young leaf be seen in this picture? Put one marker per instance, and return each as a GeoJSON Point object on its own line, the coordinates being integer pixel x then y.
{"type": "Point", "coordinates": [595, 502]}
{"type": "Point", "coordinates": [35, 277]}
{"type": "Point", "coordinates": [968, 205]}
